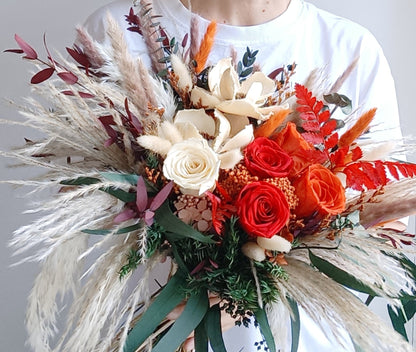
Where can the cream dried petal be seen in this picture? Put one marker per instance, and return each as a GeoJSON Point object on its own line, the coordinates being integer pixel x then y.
{"type": "Point", "coordinates": [230, 159]}
{"type": "Point", "coordinates": [155, 144]}
{"type": "Point", "coordinates": [168, 130]}
{"type": "Point", "coordinates": [215, 74]}
{"type": "Point", "coordinates": [267, 84]}
{"type": "Point", "coordinates": [237, 123]}
{"type": "Point", "coordinates": [241, 107]}
{"type": "Point", "coordinates": [188, 130]}
{"type": "Point", "coordinates": [229, 84]}
{"type": "Point", "coordinates": [254, 93]}
{"type": "Point", "coordinates": [182, 72]}
{"type": "Point", "coordinates": [223, 130]}
{"type": "Point", "coordinates": [201, 97]}
{"type": "Point", "coordinates": [275, 243]}
{"type": "Point", "coordinates": [240, 140]}
{"type": "Point", "coordinates": [199, 118]}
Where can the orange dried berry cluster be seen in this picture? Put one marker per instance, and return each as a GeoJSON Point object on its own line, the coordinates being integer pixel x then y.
{"type": "Point", "coordinates": [195, 211]}
{"type": "Point", "coordinates": [235, 179]}
{"type": "Point", "coordinates": [284, 184]}
{"type": "Point", "coordinates": [156, 176]}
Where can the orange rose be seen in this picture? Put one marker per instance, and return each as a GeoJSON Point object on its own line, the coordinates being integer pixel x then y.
{"type": "Point", "coordinates": [319, 191]}
{"type": "Point", "coordinates": [302, 153]}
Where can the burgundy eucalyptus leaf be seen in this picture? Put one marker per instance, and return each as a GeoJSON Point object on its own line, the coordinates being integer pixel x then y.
{"type": "Point", "coordinates": [31, 54]}
{"type": "Point", "coordinates": [81, 94]}
{"type": "Point", "coordinates": [68, 77]}
{"type": "Point", "coordinates": [79, 57]}
{"type": "Point", "coordinates": [42, 76]}
{"type": "Point", "coordinates": [148, 217]}
{"type": "Point", "coordinates": [15, 51]}
{"type": "Point", "coordinates": [124, 216]}
{"type": "Point", "coordinates": [109, 142]}
{"type": "Point", "coordinates": [160, 198]}
{"type": "Point", "coordinates": [133, 118]}
{"type": "Point", "coordinates": [185, 40]}
{"type": "Point", "coordinates": [141, 198]}
{"type": "Point", "coordinates": [273, 75]}
{"type": "Point", "coordinates": [107, 120]}
{"type": "Point", "coordinates": [86, 95]}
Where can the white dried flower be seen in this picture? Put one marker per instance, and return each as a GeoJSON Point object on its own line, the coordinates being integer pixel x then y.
{"type": "Point", "coordinates": [193, 166]}
{"type": "Point", "coordinates": [275, 243]}
{"type": "Point", "coordinates": [253, 251]}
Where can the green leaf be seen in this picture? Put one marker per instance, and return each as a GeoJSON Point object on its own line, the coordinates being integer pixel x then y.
{"type": "Point", "coordinates": [356, 347]}
{"type": "Point", "coordinates": [398, 321]}
{"type": "Point", "coordinates": [410, 309]}
{"type": "Point", "coordinates": [177, 256]}
{"type": "Point", "coordinates": [175, 226]}
{"type": "Point", "coordinates": [127, 229]}
{"type": "Point", "coordinates": [124, 196]}
{"type": "Point", "coordinates": [410, 268]}
{"type": "Point", "coordinates": [261, 318]}
{"type": "Point", "coordinates": [201, 337]}
{"type": "Point", "coordinates": [246, 72]}
{"type": "Point", "coordinates": [213, 328]}
{"type": "Point", "coordinates": [96, 232]}
{"type": "Point", "coordinates": [294, 324]}
{"type": "Point", "coordinates": [171, 295]}
{"type": "Point", "coordinates": [369, 300]}
{"type": "Point", "coordinates": [121, 178]}
{"type": "Point", "coordinates": [340, 276]}
{"type": "Point", "coordinates": [194, 312]}
{"type": "Point", "coordinates": [81, 181]}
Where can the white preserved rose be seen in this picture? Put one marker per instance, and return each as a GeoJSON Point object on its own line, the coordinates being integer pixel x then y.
{"type": "Point", "coordinates": [193, 166]}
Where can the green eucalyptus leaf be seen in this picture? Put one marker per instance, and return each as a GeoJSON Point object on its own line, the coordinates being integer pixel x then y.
{"type": "Point", "coordinates": [410, 309]}
{"type": "Point", "coordinates": [294, 324]}
{"type": "Point", "coordinates": [96, 232]}
{"type": "Point", "coordinates": [81, 181]}
{"type": "Point", "coordinates": [340, 100]}
{"type": "Point", "coordinates": [176, 227]}
{"type": "Point", "coordinates": [201, 337]}
{"type": "Point", "coordinates": [213, 328]}
{"type": "Point", "coordinates": [103, 232]}
{"type": "Point", "coordinates": [246, 72]}
{"type": "Point", "coordinates": [126, 197]}
{"type": "Point", "coordinates": [398, 320]}
{"type": "Point", "coordinates": [195, 309]}
{"type": "Point", "coordinates": [261, 318]}
{"type": "Point", "coordinates": [170, 296]}
{"type": "Point", "coordinates": [121, 178]}
{"type": "Point", "coordinates": [339, 275]}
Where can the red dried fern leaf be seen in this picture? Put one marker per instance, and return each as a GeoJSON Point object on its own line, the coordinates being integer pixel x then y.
{"type": "Point", "coordinates": [371, 175]}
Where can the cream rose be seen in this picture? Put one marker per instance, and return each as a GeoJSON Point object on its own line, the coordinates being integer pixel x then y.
{"type": "Point", "coordinates": [192, 165]}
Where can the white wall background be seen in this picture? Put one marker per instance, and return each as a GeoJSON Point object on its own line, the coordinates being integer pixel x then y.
{"type": "Point", "coordinates": [391, 21]}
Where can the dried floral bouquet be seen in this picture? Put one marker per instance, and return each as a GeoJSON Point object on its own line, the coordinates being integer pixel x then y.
{"type": "Point", "coordinates": [241, 179]}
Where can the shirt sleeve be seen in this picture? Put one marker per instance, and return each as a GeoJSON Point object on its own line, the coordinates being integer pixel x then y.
{"type": "Point", "coordinates": [96, 25]}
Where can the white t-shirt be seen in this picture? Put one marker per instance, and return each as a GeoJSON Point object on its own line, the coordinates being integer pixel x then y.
{"type": "Point", "coordinates": [311, 38]}
{"type": "Point", "coordinates": [303, 34]}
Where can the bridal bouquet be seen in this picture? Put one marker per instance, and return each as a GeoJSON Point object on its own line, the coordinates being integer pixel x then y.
{"type": "Point", "coordinates": [258, 197]}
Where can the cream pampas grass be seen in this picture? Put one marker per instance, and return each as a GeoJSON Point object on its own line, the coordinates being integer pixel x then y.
{"type": "Point", "coordinates": [78, 270]}
{"type": "Point", "coordinates": [326, 301]}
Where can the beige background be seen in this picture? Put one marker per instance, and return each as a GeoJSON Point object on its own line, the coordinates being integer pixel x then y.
{"type": "Point", "coordinates": [391, 21]}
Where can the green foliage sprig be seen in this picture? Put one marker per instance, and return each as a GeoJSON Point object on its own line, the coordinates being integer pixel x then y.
{"type": "Point", "coordinates": [245, 66]}
{"type": "Point", "coordinates": [223, 269]}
